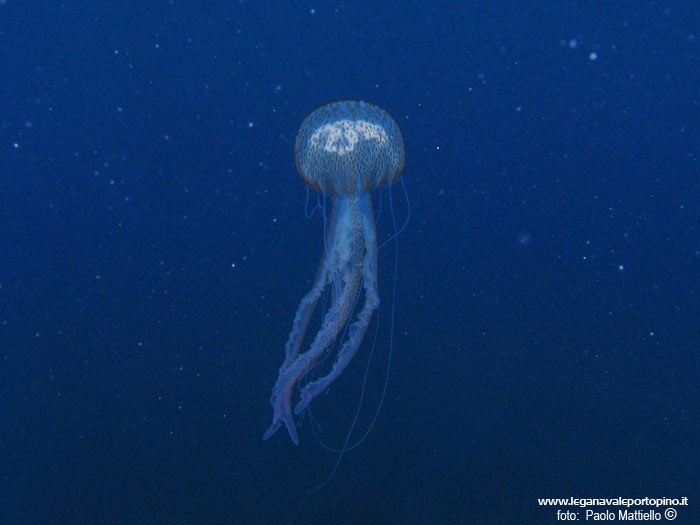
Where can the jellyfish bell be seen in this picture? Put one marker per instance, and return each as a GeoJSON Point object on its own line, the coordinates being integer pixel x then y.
{"type": "Point", "coordinates": [345, 149]}
{"type": "Point", "coordinates": [349, 147]}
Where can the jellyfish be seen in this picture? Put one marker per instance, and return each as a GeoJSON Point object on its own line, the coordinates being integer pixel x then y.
{"type": "Point", "coordinates": [344, 150]}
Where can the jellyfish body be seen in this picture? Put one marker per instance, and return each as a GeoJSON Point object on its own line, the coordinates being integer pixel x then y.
{"type": "Point", "coordinates": [343, 149]}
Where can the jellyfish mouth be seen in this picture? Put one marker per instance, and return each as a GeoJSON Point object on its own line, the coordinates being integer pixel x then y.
{"type": "Point", "coordinates": [342, 136]}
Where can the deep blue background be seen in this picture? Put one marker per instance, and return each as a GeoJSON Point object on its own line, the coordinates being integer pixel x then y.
{"type": "Point", "coordinates": [153, 250]}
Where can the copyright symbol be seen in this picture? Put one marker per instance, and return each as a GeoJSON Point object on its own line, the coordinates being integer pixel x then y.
{"type": "Point", "coordinates": [670, 514]}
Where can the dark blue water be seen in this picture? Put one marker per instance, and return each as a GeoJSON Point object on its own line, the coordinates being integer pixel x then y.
{"type": "Point", "coordinates": [153, 250]}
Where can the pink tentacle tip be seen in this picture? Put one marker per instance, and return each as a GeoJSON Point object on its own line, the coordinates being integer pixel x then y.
{"type": "Point", "coordinates": [277, 423]}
